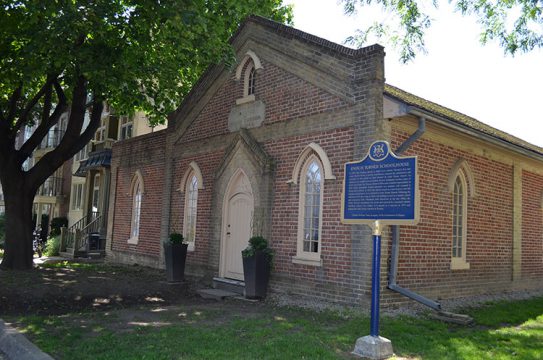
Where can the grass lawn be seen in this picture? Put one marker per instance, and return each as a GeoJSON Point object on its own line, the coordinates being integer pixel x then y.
{"type": "Point", "coordinates": [237, 330]}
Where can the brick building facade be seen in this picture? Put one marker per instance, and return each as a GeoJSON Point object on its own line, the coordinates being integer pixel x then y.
{"type": "Point", "coordinates": [260, 149]}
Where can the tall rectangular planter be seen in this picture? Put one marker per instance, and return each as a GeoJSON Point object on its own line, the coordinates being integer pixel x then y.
{"type": "Point", "coordinates": [174, 257]}
{"type": "Point", "coordinates": [256, 270]}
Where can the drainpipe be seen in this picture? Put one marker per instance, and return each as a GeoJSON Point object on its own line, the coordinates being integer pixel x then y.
{"type": "Point", "coordinates": [395, 251]}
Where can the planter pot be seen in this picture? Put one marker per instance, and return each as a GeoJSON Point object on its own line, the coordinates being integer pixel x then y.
{"type": "Point", "coordinates": [256, 270]}
{"type": "Point", "coordinates": [174, 257]}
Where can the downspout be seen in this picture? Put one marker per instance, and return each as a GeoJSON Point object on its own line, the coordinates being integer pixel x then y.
{"type": "Point", "coordinates": [395, 251]}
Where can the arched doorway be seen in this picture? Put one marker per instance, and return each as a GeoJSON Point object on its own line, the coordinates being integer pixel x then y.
{"type": "Point", "coordinates": [237, 215]}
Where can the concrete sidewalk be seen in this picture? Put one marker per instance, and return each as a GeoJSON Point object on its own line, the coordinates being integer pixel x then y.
{"type": "Point", "coordinates": [15, 346]}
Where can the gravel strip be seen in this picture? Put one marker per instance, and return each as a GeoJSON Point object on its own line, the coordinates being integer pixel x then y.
{"type": "Point", "coordinates": [412, 308]}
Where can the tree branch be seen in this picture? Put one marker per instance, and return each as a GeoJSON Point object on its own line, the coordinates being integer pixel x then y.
{"type": "Point", "coordinates": [47, 122]}
{"type": "Point", "coordinates": [13, 104]}
{"type": "Point", "coordinates": [73, 140]}
{"type": "Point", "coordinates": [24, 114]}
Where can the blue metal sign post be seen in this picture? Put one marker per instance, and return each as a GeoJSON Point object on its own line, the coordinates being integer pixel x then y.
{"type": "Point", "coordinates": [376, 275]}
{"type": "Point", "coordinates": [381, 189]}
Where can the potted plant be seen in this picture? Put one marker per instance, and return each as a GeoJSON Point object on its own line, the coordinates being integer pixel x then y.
{"type": "Point", "coordinates": [257, 260]}
{"type": "Point", "coordinates": [175, 254]}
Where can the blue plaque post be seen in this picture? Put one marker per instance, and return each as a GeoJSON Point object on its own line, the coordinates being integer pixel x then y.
{"type": "Point", "coordinates": [375, 279]}
{"type": "Point", "coordinates": [381, 189]}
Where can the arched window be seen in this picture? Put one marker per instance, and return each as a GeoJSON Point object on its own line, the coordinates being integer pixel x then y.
{"type": "Point", "coordinates": [459, 217]}
{"type": "Point", "coordinates": [461, 187]}
{"type": "Point", "coordinates": [310, 212]}
{"type": "Point", "coordinates": [251, 80]}
{"type": "Point", "coordinates": [247, 71]}
{"type": "Point", "coordinates": [191, 182]}
{"type": "Point", "coordinates": [191, 202]}
{"type": "Point", "coordinates": [137, 196]}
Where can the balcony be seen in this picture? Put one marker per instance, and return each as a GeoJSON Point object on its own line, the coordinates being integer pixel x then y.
{"type": "Point", "coordinates": [52, 139]}
{"type": "Point", "coordinates": [51, 187]}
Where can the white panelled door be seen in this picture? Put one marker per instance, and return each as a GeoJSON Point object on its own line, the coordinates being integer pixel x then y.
{"type": "Point", "coordinates": [237, 225]}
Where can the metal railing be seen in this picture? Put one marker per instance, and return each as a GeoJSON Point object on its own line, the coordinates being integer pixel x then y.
{"type": "Point", "coordinates": [77, 235]}
{"type": "Point", "coordinates": [51, 187]}
{"type": "Point", "coordinates": [51, 139]}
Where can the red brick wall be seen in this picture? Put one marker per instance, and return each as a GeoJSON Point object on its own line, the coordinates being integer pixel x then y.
{"type": "Point", "coordinates": [286, 97]}
{"type": "Point", "coordinates": [145, 154]}
{"type": "Point", "coordinates": [425, 249]}
{"type": "Point", "coordinates": [532, 225]}
{"type": "Point", "coordinates": [208, 164]}
{"type": "Point", "coordinates": [336, 237]}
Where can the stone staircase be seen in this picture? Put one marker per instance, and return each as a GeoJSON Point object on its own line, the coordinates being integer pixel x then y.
{"type": "Point", "coordinates": [224, 288]}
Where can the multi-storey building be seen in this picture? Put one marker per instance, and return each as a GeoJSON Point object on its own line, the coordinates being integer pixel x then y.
{"type": "Point", "coordinates": [89, 186]}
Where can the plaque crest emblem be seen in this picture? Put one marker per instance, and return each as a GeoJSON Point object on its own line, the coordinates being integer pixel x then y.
{"type": "Point", "coordinates": [379, 150]}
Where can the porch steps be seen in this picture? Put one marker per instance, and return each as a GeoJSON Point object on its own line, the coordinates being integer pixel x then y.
{"type": "Point", "coordinates": [216, 294]}
{"type": "Point", "coordinates": [235, 286]}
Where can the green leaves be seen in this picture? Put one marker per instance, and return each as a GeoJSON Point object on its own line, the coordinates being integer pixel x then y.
{"type": "Point", "coordinates": [137, 54]}
{"type": "Point", "coordinates": [516, 24]}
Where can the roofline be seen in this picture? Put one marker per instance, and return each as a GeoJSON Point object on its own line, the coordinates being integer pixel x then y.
{"type": "Point", "coordinates": [418, 111]}
{"type": "Point", "coordinates": [289, 31]}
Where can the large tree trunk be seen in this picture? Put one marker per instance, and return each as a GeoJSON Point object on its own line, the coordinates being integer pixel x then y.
{"type": "Point", "coordinates": [18, 200]}
{"type": "Point", "coordinates": [20, 186]}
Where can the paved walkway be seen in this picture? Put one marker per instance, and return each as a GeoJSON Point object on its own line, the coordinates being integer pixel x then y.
{"type": "Point", "coordinates": [14, 346]}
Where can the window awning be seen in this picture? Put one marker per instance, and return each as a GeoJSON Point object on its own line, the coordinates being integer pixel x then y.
{"type": "Point", "coordinates": [96, 159]}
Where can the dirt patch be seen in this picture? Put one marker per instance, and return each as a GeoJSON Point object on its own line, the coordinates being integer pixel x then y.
{"type": "Point", "coordinates": [76, 287]}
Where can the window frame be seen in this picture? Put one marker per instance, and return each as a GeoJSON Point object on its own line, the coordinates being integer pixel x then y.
{"type": "Point", "coordinates": [193, 171]}
{"type": "Point", "coordinates": [126, 125]}
{"type": "Point", "coordinates": [302, 256]}
{"type": "Point", "coordinates": [77, 197]}
{"type": "Point", "coordinates": [190, 219]}
{"type": "Point", "coordinates": [459, 214]}
{"type": "Point", "coordinates": [136, 195]}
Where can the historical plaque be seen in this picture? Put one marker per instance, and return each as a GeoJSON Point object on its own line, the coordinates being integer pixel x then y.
{"type": "Point", "coordinates": [381, 187]}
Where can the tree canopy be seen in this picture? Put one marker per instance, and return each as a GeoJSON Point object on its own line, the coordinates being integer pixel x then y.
{"type": "Point", "coordinates": [70, 56]}
{"type": "Point", "coordinates": [516, 24]}
{"type": "Point", "coordinates": [141, 54]}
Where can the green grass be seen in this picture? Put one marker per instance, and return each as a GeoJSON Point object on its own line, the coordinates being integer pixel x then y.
{"type": "Point", "coordinates": [72, 265]}
{"type": "Point", "coordinates": [503, 330]}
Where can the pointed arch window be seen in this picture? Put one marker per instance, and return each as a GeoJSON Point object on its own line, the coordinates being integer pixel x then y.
{"type": "Point", "coordinates": [309, 241]}
{"type": "Point", "coordinates": [190, 185]}
{"type": "Point", "coordinates": [247, 71]}
{"type": "Point", "coordinates": [251, 80]}
{"type": "Point", "coordinates": [137, 197]}
{"type": "Point", "coordinates": [461, 187]}
{"type": "Point", "coordinates": [191, 208]}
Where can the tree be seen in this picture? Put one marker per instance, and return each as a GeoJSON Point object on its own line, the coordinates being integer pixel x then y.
{"type": "Point", "coordinates": [71, 55]}
{"type": "Point", "coordinates": [516, 24]}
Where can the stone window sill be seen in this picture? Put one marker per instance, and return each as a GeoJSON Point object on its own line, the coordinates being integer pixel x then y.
{"type": "Point", "coordinates": [246, 99]}
{"type": "Point", "coordinates": [459, 264]}
{"type": "Point", "coordinates": [306, 261]}
{"type": "Point", "coordinates": [133, 240]}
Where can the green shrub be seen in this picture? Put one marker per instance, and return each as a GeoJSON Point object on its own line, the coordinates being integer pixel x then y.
{"type": "Point", "coordinates": [176, 238]}
{"type": "Point", "coordinates": [56, 224]}
{"type": "Point", "coordinates": [53, 246]}
{"type": "Point", "coordinates": [258, 243]}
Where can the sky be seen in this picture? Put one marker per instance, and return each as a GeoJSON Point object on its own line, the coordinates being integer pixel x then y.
{"type": "Point", "coordinates": [457, 71]}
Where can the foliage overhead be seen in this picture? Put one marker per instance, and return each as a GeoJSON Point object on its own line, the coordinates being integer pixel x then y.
{"type": "Point", "coordinates": [137, 54]}
{"type": "Point", "coordinates": [71, 56]}
{"type": "Point", "coordinates": [516, 24]}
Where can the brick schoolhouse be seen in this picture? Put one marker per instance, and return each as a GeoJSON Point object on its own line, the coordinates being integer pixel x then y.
{"type": "Point", "coordinates": [260, 148]}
